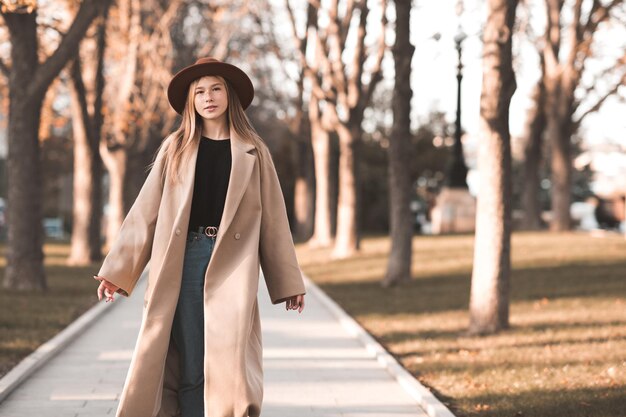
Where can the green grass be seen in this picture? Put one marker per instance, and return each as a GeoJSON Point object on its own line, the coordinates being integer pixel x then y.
{"type": "Point", "coordinates": [28, 319]}
{"type": "Point", "coordinates": [564, 355]}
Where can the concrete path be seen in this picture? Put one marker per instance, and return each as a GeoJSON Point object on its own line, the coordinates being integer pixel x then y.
{"type": "Point", "coordinates": [313, 367]}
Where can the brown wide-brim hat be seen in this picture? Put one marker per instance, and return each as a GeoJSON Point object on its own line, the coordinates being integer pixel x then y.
{"type": "Point", "coordinates": [179, 85]}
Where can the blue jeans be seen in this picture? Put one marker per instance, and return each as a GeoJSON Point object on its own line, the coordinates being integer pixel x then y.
{"type": "Point", "coordinates": [188, 325]}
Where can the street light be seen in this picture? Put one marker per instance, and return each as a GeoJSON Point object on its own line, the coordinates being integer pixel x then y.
{"type": "Point", "coordinates": [455, 207]}
{"type": "Point", "coordinates": [457, 170]}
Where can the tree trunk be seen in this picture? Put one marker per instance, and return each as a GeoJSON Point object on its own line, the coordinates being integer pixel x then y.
{"type": "Point", "coordinates": [83, 205]}
{"type": "Point", "coordinates": [555, 114]}
{"type": "Point", "coordinates": [489, 298]}
{"type": "Point", "coordinates": [303, 190]}
{"type": "Point", "coordinates": [561, 172]}
{"type": "Point", "coordinates": [333, 180]}
{"type": "Point", "coordinates": [86, 246]}
{"type": "Point", "coordinates": [322, 236]}
{"type": "Point", "coordinates": [24, 269]}
{"type": "Point", "coordinates": [95, 223]}
{"type": "Point", "coordinates": [97, 168]}
{"type": "Point", "coordinates": [399, 266]}
{"type": "Point", "coordinates": [346, 238]}
{"type": "Point", "coordinates": [533, 161]}
{"type": "Point", "coordinates": [115, 161]}
{"type": "Point", "coordinates": [28, 82]}
{"type": "Point", "coordinates": [322, 231]}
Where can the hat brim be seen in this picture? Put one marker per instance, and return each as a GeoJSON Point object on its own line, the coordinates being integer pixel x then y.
{"type": "Point", "coordinates": [179, 85]}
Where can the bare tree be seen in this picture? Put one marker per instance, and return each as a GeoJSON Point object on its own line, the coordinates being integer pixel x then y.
{"type": "Point", "coordinates": [28, 82]}
{"type": "Point", "coordinates": [346, 97]}
{"type": "Point", "coordinates": [304, 186]}
{"type": "Point", "coordinates": [114, 149]}
{"type": "Point", "coordinates": [399, 266]}
{"type": "Point", "coordinates": [489, 299]}
{"type": "Point", "coordinates": [533, 146]}
{"type": "Point", "coordinates": [149, 115]}
{"type": "Point", "coordinates": [320, 142]}
{"type": "Point", "coordinates": [563, 74]}
{"type": "Point", "coordinates": [322, 231]}
{"type": "Point", "coordinates": [87, 123]}
{"type": "Point", "coordinates": [141, 61]}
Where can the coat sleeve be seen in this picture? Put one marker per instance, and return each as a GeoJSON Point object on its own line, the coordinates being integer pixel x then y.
{"type": "Point", "coordinates": [130, 252]}
{"type": "Point", "coordinates": [282, 274]}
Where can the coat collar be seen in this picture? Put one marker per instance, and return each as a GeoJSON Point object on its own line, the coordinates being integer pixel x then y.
{"type": "Point", "coordinates": [240, 172]}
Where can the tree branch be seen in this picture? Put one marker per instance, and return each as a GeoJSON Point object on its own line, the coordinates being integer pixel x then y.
{"type": "Point", "coordinates": [621, 63]}
{"type": "Point", "coordinates": [601, 100]}
{"type": "Point", "coordinates": [552, 35]}
{"type": "Point", "coordinates": [337, 65]}
{"type": "Point", "coordinates": [344, 25]}
{"type": "Point", "coordinates": [76, 78]}
{"type": "Point", "coordinates": [576, 33]}
{"type": "Point", "coordinates": [582, 46]}
{"type": "Point", "coordinates": [602, 13]}
{"type": "Point", "coordinates": [354, 86]}
{"type": "Point", "coordinates": [322, 56]}
{"type": "Point", "coordinates": [377, 73]}
{"type": "Point", "coordinates": [301, 47]}
{"type": "Point", "coordinates": [47, 71]}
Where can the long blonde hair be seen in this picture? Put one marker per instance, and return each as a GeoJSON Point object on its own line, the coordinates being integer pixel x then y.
{"type": "Point", "coordinates": [179, 142]}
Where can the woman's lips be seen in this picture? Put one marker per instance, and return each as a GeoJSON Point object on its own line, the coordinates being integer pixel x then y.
{"type": "Point", "coordinates": [210, 108]}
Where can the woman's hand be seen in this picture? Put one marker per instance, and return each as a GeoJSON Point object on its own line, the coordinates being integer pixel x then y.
{"type": "Point", "coordinates": [295, 302]}
{"type": "Point", "coordinates": [105, 288]}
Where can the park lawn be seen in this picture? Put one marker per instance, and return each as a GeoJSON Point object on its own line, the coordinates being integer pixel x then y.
{"type": "Point", "coordinates": [564, 355]}
{"type": "Point", "coordinates": [28, 319]}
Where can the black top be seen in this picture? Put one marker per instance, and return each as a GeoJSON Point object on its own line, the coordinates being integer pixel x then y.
{"type": "Point", "coordinates": [211, 182]}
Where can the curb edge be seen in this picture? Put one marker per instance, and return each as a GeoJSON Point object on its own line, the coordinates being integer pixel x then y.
{"type": "Point", "coordinates": [46, 351]}
{"type": "Point", "coordinates": [423, 396]}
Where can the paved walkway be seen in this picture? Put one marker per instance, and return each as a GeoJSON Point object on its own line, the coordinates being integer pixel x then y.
{"type": "Point", "coordinates": [313, 367]}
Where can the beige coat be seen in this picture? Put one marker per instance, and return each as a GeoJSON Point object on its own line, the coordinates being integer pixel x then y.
{"type": "Point", "coordinates": [254, 231]}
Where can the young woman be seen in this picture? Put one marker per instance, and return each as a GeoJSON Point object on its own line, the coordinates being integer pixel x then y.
{"type": "Point", "coordinates": [209, 214]}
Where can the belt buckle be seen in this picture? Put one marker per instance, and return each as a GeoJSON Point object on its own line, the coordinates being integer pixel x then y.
{"type": "Point", "coordinates": [210, 231]}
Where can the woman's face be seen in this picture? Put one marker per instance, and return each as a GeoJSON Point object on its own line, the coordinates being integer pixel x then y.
{"type": "Point", "coordinates": [210, 99]}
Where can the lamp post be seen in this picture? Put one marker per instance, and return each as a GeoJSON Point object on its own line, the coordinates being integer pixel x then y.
{"type": "Point", "coordinates": [457, 170]}
{"type": "Point", "coordinates": [455, 207]}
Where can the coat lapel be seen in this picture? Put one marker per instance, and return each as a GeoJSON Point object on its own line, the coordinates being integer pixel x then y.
{"type": "Point", "coordinates": [184, 209]}
{"type": "Point", "coordinates": [240, 172]}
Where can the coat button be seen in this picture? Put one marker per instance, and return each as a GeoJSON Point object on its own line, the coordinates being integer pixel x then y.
{"type": "Point", "coordinates": [177, 232]}
{"type": "Point", "coordinates": [237, 236]}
